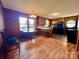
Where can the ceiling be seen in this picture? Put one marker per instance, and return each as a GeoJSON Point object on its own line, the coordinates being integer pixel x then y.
{"type": "Point", "coordinates": [45, 8]}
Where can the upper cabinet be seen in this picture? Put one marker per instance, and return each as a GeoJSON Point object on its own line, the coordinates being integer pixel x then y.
{"type": "Point", "coordinates": [59, 20]}
{"type": "Point", "coordinates": [41, 21]}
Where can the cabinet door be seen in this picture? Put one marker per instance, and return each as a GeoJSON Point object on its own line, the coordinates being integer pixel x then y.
{"type": "Point", "coordinates": [71, 29]}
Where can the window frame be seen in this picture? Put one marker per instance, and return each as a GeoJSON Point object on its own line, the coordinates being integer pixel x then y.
{"type": "Point", "coordinates": [27, 24]}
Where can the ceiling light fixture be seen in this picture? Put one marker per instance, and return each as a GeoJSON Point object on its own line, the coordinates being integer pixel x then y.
{"type": "Point", "coordinates": [54, 14]}
{"type": "Point", "coordinates": [32, 16]}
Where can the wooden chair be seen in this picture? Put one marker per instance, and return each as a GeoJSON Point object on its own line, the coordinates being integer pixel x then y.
{"type": "Point", "coordinates": [8, 47]}
{"type": "Point", "coordinates": [1, 42]}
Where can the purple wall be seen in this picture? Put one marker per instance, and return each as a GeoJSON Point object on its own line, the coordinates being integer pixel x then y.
{"type": "Point", "coordinates": [11, 20]}
{"type": "Point", "coordinates": [1, 17]}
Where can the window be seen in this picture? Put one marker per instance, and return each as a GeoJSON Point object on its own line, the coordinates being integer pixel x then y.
{"type": "Point", "coordinates": [23, 24]}
{"type": "Point", "coordinates": [47, 22]}
{"type": "Point", "coordinates": [78, 25]}
{"type": "Point", "coordinates": [31, 25]}
{"type": "Point", "coordinates": [27, 25]}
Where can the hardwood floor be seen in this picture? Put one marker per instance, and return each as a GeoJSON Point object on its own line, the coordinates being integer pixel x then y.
{"type": "Point", "coordinates": [47, 48]}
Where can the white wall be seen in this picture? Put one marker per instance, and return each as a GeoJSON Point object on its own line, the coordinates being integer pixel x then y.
{"type": "Point", "coordinates": [1, 19]}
